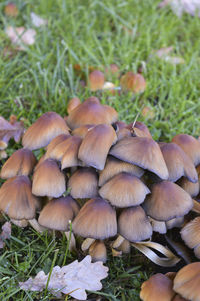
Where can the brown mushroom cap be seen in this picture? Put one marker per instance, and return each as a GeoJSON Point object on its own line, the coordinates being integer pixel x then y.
{"type": "Point", "coordinates": [158, 287]}
{"type": "Point", "coordinates": [178, 163]}
{"type": "Point", "coordinates": [187, 282]}
{"type": "Point", "coordinates": [73, 103]}
{"type": "Point", "coordinates": [91, 112]}
{"type": "Point", "coordinates": [189, 187]}
{"type": "Point", "coordinates": [141, 127]}
{"type": "Point", "coordinates": [16, 198]}
{"type": "Point", "coordinates": [143, 152]}
{"type": "Point", "coordinates": [96, 219]}
{"type": "Point", "coordinates": [20, 163]}
{"type": "Point", "coordinates": [70, 152]}
{"type": "Point", "coordinates": [134, 225]}
{"type": "Point", "coordinates": [96, 144]}
{"type": "Point", "coordinates": [96, 80]}
{"type": "Point", "coordinates": [114, 166]}
{"type": "Point", "coordinates": [98, 251]}
{"type": "Point", "coordinates": [167, 201]}
{"type": "Point", "coordinates": [124, 190]}
{"type": "Point", "coordinates": [46, 128]}
{"type": "Point", "coordinates": [190, 145]}
{"type": "Point", "coordinates": [82, 130]}
{"type": "Point", "coordinates": [48, 180]}
{"type": "Point", "coordinates": [58, 212]}
{"type": "Point", "coordinates": [190, 233]}
{"type": "Point", "coordinates": [83, 183]}
{"type": "Point", "coordinates": [56, 141]}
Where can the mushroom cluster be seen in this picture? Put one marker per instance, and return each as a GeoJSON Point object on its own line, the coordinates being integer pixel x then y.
{"type": "Point", "coordinates": [181, 286]}
{"type": "Point", "coordinates": [109, 178]}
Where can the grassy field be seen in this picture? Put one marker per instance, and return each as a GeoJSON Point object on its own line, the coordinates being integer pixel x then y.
{"type": "Point", "coordinates": [42, 78]}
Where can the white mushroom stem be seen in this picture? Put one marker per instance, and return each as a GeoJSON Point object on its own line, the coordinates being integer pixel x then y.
{"type": "Point", "coordinates": [33, 222]}
{"type": "Point", "coordinates": [20, 223]}
{"type": "Point", "coordinates": [125, 247]}
{"type": "Point", "coordinates": [98, 251]}
{"type": "Point", "coordinates": [118, 242]}
{"type": "Point", "coordinates": [72, 243]}
{"type": "Point", "coordinates": [175, 222]}
{"type": "Point", "coordinates": [158, 226]}
{"type": "Point", "coordinates": [87, 243]}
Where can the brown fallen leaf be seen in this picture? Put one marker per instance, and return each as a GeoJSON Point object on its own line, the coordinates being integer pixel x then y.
{"type": "Point", "coordinates": [11, 10]}
{"type": "Point", "coordinates": [8, 130]}
{"type": "Point", "coordinates": [5, 234]}
{"type": "Point", "coordinates": [20, 36]}
{"type": "Point", "coordinates": [72, 279]}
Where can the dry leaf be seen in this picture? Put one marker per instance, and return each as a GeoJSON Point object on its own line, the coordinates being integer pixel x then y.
{"type": "Point", "coordinates": [191, 7]}
{"type": "Point", "coordinates": [5, 234]}
{"type": "Point", "coordinates": [11, 10]}
{"type": "Point", "coordinates": [72, 279]}
{"type": "Point", "coordinates": [8, 130]}
{"type": "Point", "coordinates": [37, 20]}
{"type": "Point", "coordinates": [20, 36]}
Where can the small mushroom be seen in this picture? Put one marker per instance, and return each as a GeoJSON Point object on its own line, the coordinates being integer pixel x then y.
{"type": "Point", "coordinates": [98, 251]}
{"type": "Point", "coordinates": [96, 80]}
{"type": "Point", "coordinates": [48, 180]}
{"type": "Point", "coordinates": [190, 233]}
{"type": "Point", "coordinates": [83, 183]}
{"type": "Point", "coordinates": [124, 190]}
{"type": "Point", "coordinates": [21, 162]}
{"type": "Point", "coordinates": [96, 145]}
{"type": "Point", "coordinates": [73, 103]}
{"type": "Point", "coordinates": [114, 166]}
{"type": "Point", "coordinates": [82, 130]}
{"type": "Point", "coordinates": [143, 152]}
{"type": "Point", "coordinates": [46, 128]}
{"type": "Point", "coordinates": [189, 187]}
{"type": "Point", "coordinates": [167, 201]}
{"type": "Point", "coordinates": [70, 152]}
{"type": "Point", "coordinates": [54, 143]}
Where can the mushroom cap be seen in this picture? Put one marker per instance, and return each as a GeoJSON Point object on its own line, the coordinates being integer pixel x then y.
{"type": "Point", "coordinates": [141, 127]}
{"type": "Point", "coordinates": [70, 155]}
{"type": "Point", "coordinates": [178, 163]}
{"type": "Point", "coordinates": [84, 183]}
{"type": "Point", "coordinates": [190, 145]}
{"type": "Point", "coordinates": [98, 251]}
{"type": "Point", "coordinates": [157, 226]}
{"type": "Point", "coordinates": [167, 201]}
{"type": "Point", "coordinates": [46, 128]}
{"type": "Point", "coordinates": [134, 225]}
{"type": "Point", "coordinates": [124, 190]}
{"type": "Point", "coordinates": [21, 162]}
{"type": "Point", "coordinates": [48, 180]}
{"type": "Point", "coordinates": [175, 222]}
{"type": "Point", "coordinates": [189, 187]}
{"type": "Point", "coordinates": [96, 219]}
{"type": "Point", "coordinates": [133, 82]}
{"type": "Point", "coordinates": [190, 233]}
{"type": "Point", "coordinates": [197, 251]}
{"type": "Point", "coordinates": [56, 141]}
{"type": "Point", "coordinates": [96, 145]}
{"type": "Point", "coordinates": [114, 166]}
{"type": "Point", "coordinates": [73, 103]}
{"type": "Point", "coordinates": [187, 282]}
{"type": "Point", "coordinates": [58, 212]}
{"type": "Point", "coordinates": [91, 112]}
{"type": "Point", "coordinates": [82, 130]}
{"type": "Point", "coordinates": [96, 80]}
{"type": "Point", "coordinates": [143, 152]}
{"type": "Point", "coordinates": [16, 198]}
{"type": "Point", "coordinates": [157, 287]}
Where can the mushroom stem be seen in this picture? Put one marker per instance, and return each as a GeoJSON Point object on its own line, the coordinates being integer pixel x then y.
{"type": "Point", "coordinates": [125, 247]}
{"type": "Point", "coordinates": [33, 222]}
{"type": "Point", "coordinates": [87, 243]}
{"type": "Point", "coordinates": [72, 240]}
{"type": "Point", "coordinates": [98, 251]}
{"type": "Point", "coordinates": [20, 223]}
{"type": "Point", "coordinates": [118, 242]}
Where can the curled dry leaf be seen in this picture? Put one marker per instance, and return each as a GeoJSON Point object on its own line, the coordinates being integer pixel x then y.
{"type": "Point", "coordinates": [8, 130]}
{"type": "Point", "coordinates": [72, 279]}
{"type": "Point", "coordinates": [191, 7]}
{"type": "Point", "coordinates": [5, 234]}
{"type": "Point", "coordinates": [37, 20]}
{"type": "Point", "coordinates": [11, 10]}
{"type": "Point", "coordinates": [20, 36]}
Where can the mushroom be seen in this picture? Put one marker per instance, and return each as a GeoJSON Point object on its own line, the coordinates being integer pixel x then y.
{"type": "Point", "coordinates": [190, 234]}
{"type": "Point", "coordinates": [114, 166]}
{"type": "Point", "coordinates": [139, 127]}
{"type": "Point", "coordinates": [91, 112]}
{"type": "Point", "coordinates": [167, 201]}
{"type": "Point", "coordinates": [143, 152]}
{"type": "Point", "coordinates": [48, 180]}
{"type": "Point", "coordinates": [47, 127]}
{"type": "Point", "coordinates": [17, 200]}
{"type": "Point", "coordinates": [98, 251]}
{"type": "Point", "coordinates": [187, 282]}
{"type": "Point", "coordinates": [157, 287]}
{"type": "Point", "coordinates": [190, 145]}
{"type": "Point", "coordinates": [21, 162]}
{"type": "Point", "coordinates": [178, 163]}
{"type": "Point", "coordinates": [82, 130]}
{"type": "Point", "coordinates": [54, 143]}
{"type": "Point", "coordinates": [70, 152]}
{"type": "Point", "coordinates": [73, 103]}
{"type": "Point", "coordinates": [96, 145]}
{"type": "Point", "coordinates": [189, 187]}
{"type": "Point", "coordinates": [96, 80]}
{"type": "Point", "coordinates": [124, 190]}
{"type": "Point", "coordinates": [83, 183]}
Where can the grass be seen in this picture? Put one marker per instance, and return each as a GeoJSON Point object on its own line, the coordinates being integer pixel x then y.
{"type": "Point", "coordinates": [42, 78]}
